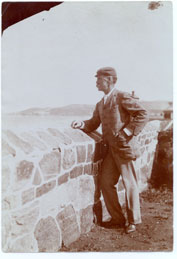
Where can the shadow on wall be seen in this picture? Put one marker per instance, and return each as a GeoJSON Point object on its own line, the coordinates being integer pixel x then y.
{"type": "Point", "coordinates": [162, 172]}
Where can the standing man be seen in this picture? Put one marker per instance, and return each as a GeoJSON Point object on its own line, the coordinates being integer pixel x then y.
{"type": "Point", "coordinates": [122, 117]}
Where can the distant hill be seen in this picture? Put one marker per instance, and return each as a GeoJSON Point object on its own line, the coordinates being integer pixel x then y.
{"type": "Point", "coordinates": [35, 111]}
{"type": "Point", "coordinates": [69, 110]}
{"type": "Point", "coordinates": [73, 109]}
{"type": "Point", "coordinates": [86, 109]}
{"type": "Point", "coordinates": [156, 105]}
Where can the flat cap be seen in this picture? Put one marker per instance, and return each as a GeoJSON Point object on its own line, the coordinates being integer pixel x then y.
{"type": "Point", "coordinates": [106, 71]}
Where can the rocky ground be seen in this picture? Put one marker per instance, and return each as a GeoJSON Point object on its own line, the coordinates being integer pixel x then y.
{"type": "Point", "coordinates": [154, 234]}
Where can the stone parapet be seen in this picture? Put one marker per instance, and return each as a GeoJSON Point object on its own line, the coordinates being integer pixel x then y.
{"type": "Point", "coordinates": [50, 191]}
{"type": "Point", "coordinates": [148, 140]}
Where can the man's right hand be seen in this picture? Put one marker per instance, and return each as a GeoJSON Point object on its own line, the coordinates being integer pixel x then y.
{"type": "Point", "coordinates": [77, 124]}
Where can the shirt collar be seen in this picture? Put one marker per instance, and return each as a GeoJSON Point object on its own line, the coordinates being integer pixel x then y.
{"type": "Point", "coordinates": [107, 95]}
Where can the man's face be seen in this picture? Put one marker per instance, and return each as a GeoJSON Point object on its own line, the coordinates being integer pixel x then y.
{"type": "Point", "coordinates": [102, 83]}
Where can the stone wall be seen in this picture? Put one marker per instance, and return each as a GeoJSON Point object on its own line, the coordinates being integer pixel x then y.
{"type": "Point", "coordinates": [148, 140]}
{"type": "Point", "coordinates": [50, 192]}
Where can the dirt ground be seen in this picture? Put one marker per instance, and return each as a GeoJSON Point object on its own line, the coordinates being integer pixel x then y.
{"type": "Point", "coordinates": [154, 234]}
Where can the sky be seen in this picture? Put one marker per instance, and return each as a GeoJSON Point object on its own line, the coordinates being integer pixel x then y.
{"type": "Point", "coordinates": [50, 59]}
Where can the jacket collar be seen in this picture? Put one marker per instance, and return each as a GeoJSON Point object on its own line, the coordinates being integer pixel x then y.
{"type": "Point", "coordinates": [110, 95]}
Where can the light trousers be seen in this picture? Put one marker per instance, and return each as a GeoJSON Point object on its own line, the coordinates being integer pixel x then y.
{"type": "Point", "coordinates": [114, 166]}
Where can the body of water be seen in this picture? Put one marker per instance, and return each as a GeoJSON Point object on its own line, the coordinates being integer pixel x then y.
{"type": "Point", "coordinates": [24, 123]}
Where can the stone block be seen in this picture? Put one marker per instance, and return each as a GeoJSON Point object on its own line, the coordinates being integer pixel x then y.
{"type": "Point", "coordinates": [142, 150]}
{"type": "Point", "coordinates": [68, 223]}
{"type": "Point", "coordinates": [34, 141]}
{"type": "Point", "coordinates": [6, 229]}
{"type": "Point", "coordinates": [18, 142]}
{"type": "Point", "coordinates": [86, 219]}
{"type": "Point", "coordinates": [24, 220]}
{"type": "Point", "coordinates": [90, 153]}
{"type": "Point", "coordinates": [86, 190]}
{"type": "Point", "coordinates": [144, 172]}
{"type": "Point", "coordinates": [137, 163]}
{"type": "Point", "coordinates": [68, 158]}
{"type": "Point", "coordinates": [50, 164]}
{"type": "Point", "coordinates": [142, 162]}
{"type": "Point", "coordinates": [28, 195]}
{"type": "Point", "coordinates": [81, 154]}
{"type": "Point", "coordinates": [10, 202]}
{"type": "Point", "coordinates": [80, 191]}
{"type": "Point", "coordinates": [151, 147]}
{"type": "Point", "coordinates": [5, 177]}
{"type": "Point", "coordinates": [37, 178]}
{"type": "Point", "coordinates": [24, 170]}
{"type": "Point", "coordinates": [144, 136]}
{"type": "Point", "coordinates": [143, 181]}
{"type": "Point", "coordinates": [45, 188]}
{"type": "Point", "coordinates": [48, 139]}
{"type": "Point", "coordinates": [55, 200]}
{"type": "Point", "coordinates": [63, 179]}
{"type": "Point", "coordinates": [23, 174]}
{"type": "Point", "coordinates": [7, 149]}
{"type": "Point", "coordinates": [48, 235]}
{"type": "Point", "coordinates": [147, 141]}
{"type": "Point", "coordinates": [26, 244]}
{"type": "Point", "coordinates": [62, 138]}
{"type": "Point", "coordinates": [76, 171]}
{"type": "Point", "coordinates": [139, 138]}
{"type": "Point", "coordinates": [142, 143]}
{"type": "Point", "coordinates": [148, 158]}
{"type": "Point", "coordinates": [77, 135]}
{"type": "Point", "coordinates": [73, 195]}
{"type": "Point", "coordinates": [144, 158]}
{"type": "Point", "coordinates": [88, 169]}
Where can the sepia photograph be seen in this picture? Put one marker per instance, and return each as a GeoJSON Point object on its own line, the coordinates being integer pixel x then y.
{"type": "Point", "coordinates": [87, 127]}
